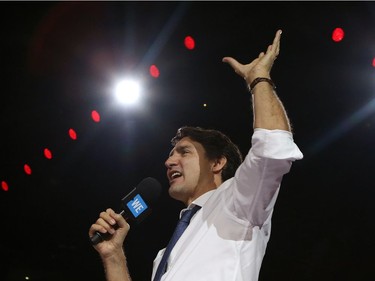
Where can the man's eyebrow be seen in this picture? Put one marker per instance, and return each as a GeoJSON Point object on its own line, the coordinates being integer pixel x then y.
{"type": "Point", "coordinates": [179, 148]}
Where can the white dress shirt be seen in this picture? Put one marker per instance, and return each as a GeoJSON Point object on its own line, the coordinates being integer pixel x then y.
{"type": "Point", "coordinates": [226, 240]}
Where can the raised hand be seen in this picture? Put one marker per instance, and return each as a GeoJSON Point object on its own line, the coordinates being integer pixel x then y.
{"type": "Point", "coordinates": [259, 67]}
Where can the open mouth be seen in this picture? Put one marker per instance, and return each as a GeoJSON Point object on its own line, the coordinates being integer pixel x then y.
{"type": "Point", "coordinates": [175, 175]}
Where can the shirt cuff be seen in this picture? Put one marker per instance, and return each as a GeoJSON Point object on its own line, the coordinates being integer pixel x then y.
{"type": "Point", "coordinates": [275, 144]}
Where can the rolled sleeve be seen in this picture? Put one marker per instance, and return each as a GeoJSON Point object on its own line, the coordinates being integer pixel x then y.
{"type": "Point", "coordinates": [257, 180]}
{"type": "Point", "coordinates": [275, 144]}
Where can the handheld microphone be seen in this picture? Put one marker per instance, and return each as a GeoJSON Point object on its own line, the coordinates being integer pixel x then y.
{"type": "Point", "coordinates": [136, 205]}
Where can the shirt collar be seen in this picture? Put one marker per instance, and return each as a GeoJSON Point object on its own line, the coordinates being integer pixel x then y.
{"type": "Point", "coordinates": [200, 201]}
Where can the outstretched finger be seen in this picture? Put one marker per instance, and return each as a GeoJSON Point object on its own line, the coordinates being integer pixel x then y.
{"type": "Point", "coordinates": [273, 50]}
{"type": "Point", "coordinates": [234, 64]}
{"type": "Point", "coordinates": [276, 42]}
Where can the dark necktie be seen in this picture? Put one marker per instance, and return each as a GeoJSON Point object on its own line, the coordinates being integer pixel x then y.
{"type": "Point", "coordinates": [180, 228]}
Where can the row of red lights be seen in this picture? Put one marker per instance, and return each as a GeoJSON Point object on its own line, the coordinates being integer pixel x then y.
{"type": "Point", "coordinates": [189, 43]}
{"type": "Point", "coordinates": [48, 153]}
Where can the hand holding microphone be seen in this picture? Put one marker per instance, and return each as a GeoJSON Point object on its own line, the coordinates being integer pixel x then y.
{"type": "Point", "coordinates": [111, 227]}
{"type": "Point", "coordinates": [135, 207]}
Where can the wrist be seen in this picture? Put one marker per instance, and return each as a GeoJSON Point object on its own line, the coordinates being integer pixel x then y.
{"type": "Point", "coordinates": [261, 79]}
{"type": "Point", "coordinates": [115, 256]}
{"type": "Point", "coordinates": [251, 76]}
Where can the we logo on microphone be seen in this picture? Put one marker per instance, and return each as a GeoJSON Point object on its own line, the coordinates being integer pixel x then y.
{"type": "Point", "coordinates": [137, 206]}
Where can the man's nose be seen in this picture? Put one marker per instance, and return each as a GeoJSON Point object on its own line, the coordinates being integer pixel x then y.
{"type": "Point", "coordinates": [170, 162]}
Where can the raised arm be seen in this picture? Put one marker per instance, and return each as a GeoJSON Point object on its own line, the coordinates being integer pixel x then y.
{"type": "Point", "coordinates": [269, 113]}
{"type": "Point", "coordinates": [272, 149]}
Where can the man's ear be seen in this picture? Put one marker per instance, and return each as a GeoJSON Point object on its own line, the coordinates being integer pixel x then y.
{"type": "Point", "coordinates": [219, 164]}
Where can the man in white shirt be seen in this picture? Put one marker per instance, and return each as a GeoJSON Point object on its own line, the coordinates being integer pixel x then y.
{"type": "Point", "coordinates": [227, 238]}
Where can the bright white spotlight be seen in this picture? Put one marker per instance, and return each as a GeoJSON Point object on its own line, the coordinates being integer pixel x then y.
{"type": "Point", "coordinates": [127, 91]}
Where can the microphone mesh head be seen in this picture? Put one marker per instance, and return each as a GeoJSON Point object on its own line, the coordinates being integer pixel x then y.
{"type": "Point", "coordinates": [150, 189]}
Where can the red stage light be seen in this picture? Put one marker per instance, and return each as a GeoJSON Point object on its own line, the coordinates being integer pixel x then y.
{"type": "Point", "coordinates": [72, 134]}
{"type": "Point", "coordinates": [154, 71]}
{"type": "Point", "coordinates": [47, 153]}
{"type": "Point", "coordinates": [338, 34]}
{"type": "Point", "coordinates": [27, 169]}
{"type": "Point", "coordinates": [4, 186]}
{"type": "Point", "coordinates": [95, 116]}
{"type": "Point", "coordinates": [189, 42]}
{"type": "Point", "coordinates": [373, 62]}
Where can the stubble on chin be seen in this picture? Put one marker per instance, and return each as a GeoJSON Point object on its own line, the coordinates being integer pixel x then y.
{"type": "Point", "coordinates": [176, 192]}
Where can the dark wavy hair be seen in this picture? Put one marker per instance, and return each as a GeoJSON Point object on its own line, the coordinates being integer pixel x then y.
{"type": "Point", "coordinates": [216, 145]}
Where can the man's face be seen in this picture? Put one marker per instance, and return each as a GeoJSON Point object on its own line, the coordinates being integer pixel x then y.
{"type": "Point", "coordinates": [189, 171]}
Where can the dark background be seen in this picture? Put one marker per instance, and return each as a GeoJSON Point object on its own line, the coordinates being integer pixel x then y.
{"type": "Point", "coordinates": [58, 63]}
